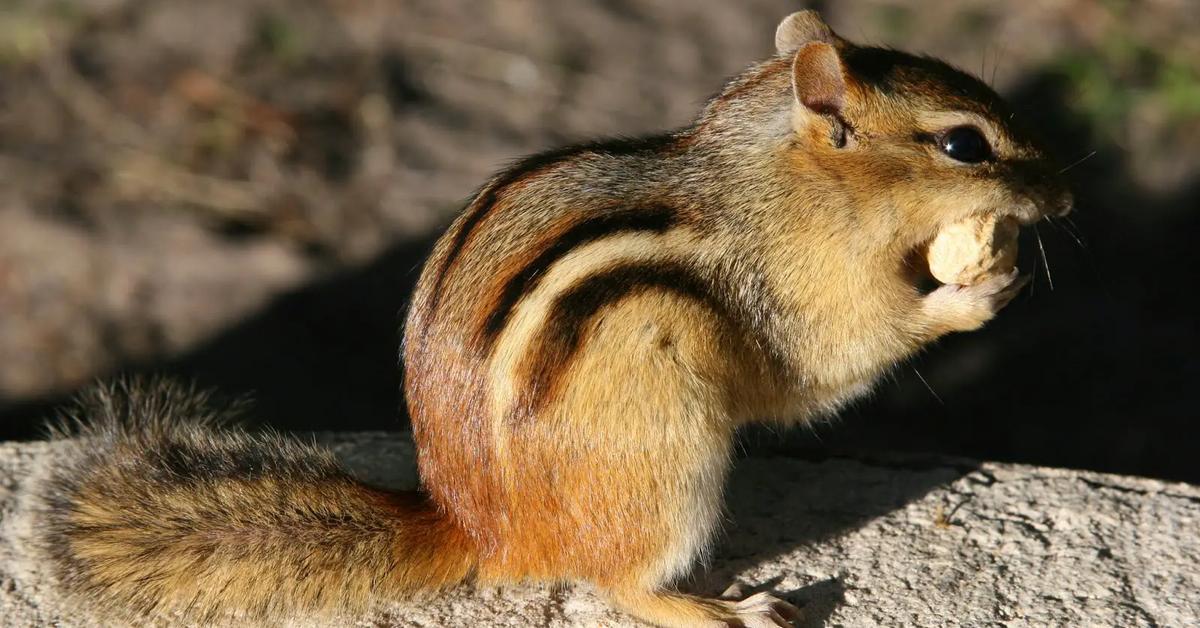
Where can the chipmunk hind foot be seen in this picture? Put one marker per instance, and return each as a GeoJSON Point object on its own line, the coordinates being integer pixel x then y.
{"type": "Point", "coordinates": [678, 610]}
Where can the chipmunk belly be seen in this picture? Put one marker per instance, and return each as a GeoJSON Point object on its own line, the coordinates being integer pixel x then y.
{"type": "Point", "coordinates": [844, 354]}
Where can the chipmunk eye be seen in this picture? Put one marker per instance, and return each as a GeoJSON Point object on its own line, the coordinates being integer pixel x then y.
{"type": "Point", "coordinates": [965, 144]}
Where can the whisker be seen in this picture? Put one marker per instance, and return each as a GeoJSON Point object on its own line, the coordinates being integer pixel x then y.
{"type": "Point", "coordinates": [1070, 233]}
{"type": "Point", "coordinates": [1075, 230]}
{"type": "Point", "coordinates": [1045, 262]}
{"type": "Point", "coordinates": [1081, 160]}
{"type": "Point", "coordinates": [996, 66]}
{"type": "Point", "coordinates": [927, 386]}
{"type": "Point", "coordinates": [1074, 226]}
{"type": "Point", "coordinates": [1033, 284]}
{"type": "Point", "coordinates": [1054, 223]}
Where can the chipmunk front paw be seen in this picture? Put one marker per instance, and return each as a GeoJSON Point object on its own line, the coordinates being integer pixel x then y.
{"type": "Point", "coordinates": [955, 307]}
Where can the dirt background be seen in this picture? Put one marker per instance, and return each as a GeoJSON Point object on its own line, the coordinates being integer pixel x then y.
{"type": "Point", "coordinates": [241, 192]}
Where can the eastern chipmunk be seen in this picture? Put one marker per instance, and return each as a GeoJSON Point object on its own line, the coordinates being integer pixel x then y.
{"type": "Point", "coordinates": [583, 344]}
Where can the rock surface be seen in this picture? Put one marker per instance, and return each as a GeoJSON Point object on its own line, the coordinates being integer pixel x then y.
{"type": "Point", "coordinates": [917, 542]}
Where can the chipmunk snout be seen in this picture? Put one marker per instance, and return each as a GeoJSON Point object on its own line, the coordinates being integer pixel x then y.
{"type": "Point", "coordinates": [1034, 207]}
{"type": "Point", "coordinates": [1055, 202]}
{"type": "Point", "coordinates": [1062, 205]}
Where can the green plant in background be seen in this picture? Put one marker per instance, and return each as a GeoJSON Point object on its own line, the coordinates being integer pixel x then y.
{"type": "Point", "coordinates": [1179, 81]}
{"type": "Point", "coordinates": [895, 21]}
{"type": "Point", "coordinates": [23, 36]}
{"type": "Point", "coordinates": [1124, 71]}
{"type": "Point", "coordinates": [280, 38]}
{"type": "Point", "coordinates": [898, 22]}
{"type": "Point", "coordinates": [27, 28]}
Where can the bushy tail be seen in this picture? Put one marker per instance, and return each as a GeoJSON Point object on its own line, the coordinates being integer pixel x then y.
{"type": "Point", "coordinates": [156, 508]}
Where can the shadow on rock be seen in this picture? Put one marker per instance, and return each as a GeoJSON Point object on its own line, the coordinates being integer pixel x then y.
{"type": "Point", "coordinates": [779, 504]}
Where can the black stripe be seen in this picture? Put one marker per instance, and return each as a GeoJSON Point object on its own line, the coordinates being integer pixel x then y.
{"type": "Point", "coordinates": [656, 219]}
{"type": "Point", "coordinates": [486, 199]}
{"type": "Point", "coordinates": [562, 336]}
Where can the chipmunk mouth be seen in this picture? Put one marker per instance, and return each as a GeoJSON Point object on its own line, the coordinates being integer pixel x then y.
{"type": "Point", "coordinates": [915, 268]}
{"type": "Point", "coordinates": [1025, 215]}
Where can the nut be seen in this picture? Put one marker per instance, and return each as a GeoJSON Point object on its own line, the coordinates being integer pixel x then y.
{"type": "Point", "coordinates": [969, 251]}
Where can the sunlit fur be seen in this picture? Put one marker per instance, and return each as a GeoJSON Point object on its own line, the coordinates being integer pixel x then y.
{"type": "Point", "coordinates": [586, 339]}
{"type": "Point", "coordinates": [157, 506]}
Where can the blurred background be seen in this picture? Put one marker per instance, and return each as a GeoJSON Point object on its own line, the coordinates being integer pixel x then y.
{"type": "Point", "coordinates": [241, 192]}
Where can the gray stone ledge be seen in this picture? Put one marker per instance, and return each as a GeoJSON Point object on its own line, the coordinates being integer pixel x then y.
{"type": "Point", "coordinates": [854, 542]}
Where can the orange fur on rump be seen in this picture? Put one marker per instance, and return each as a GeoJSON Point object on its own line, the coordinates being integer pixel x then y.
{"type": "Point", "coordinates": [582, 346]}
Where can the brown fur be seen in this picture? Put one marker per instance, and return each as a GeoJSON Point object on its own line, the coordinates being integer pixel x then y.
{"type": "Point", "coordinates": [588, 336]}
{"type": "Point", "coordinates": [155, 511]}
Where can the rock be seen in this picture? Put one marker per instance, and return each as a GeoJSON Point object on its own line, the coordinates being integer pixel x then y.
{"type": "Point", "coordinates": [856, 542]}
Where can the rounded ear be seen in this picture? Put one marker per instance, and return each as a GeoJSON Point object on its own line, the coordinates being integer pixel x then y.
{"type": "Point", "coordinates": [818, 78]}
{"type": "Point", "coordinates": [801, 28]}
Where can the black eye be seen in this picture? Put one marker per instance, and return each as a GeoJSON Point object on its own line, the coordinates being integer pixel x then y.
{"type": "Point", "coordinates": [965, 144]}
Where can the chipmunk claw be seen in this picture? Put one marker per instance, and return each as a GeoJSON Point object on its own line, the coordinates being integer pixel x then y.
{"type": "Point", "coordinates": [762, 610]}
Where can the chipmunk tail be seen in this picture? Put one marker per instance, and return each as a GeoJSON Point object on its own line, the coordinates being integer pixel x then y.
{"type": "Point", "coordinates": [155, 504]}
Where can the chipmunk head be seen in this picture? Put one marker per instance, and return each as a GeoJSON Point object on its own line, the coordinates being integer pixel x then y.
{"type": "Point", "coordinates": [910, 136]}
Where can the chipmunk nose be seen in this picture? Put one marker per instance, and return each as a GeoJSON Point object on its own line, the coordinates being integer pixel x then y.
{"type": "Point", "coordinates": [1063, 204]}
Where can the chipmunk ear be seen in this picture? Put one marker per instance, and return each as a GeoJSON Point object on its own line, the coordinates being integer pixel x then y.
{"type": "Point", "coordinates": [819, 79]}
{"type": "Point", "coordinates": [801, 28]}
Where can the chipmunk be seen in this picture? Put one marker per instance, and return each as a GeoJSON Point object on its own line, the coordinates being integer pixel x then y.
{"type": "Point", "coordinates": [582, 346]}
